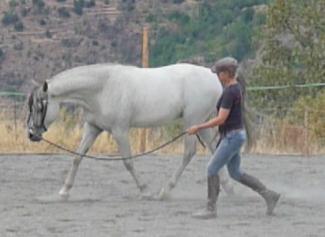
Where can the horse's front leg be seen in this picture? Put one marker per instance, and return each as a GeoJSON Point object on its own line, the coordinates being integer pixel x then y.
{"type": "Point", "coordinates": [89, 136]}
{"type": "Point", "coordinates": [189, 152]}
{"type": "Point", "coordinates": [123, 143]}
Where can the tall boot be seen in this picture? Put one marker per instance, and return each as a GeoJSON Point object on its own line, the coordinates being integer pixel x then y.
{"type": "Point", "coordinates": [271, 198]}
{"type": "Point", "coordinates": [213, 192]}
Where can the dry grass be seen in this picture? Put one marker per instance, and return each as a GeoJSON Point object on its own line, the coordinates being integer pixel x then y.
{"type": "Point", "coordinates": [283, 137]}
{"type": "Point", "coordinates": [276, 138]}
{"type": "Point", "coordinates": [68, 133]}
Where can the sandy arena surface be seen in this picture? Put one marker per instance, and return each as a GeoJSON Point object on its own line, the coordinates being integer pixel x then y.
{"type": "Point", "coordinates": [106, 202]}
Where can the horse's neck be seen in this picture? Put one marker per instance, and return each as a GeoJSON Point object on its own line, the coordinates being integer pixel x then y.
{"type": "Point", "coordinates": [76, 86]}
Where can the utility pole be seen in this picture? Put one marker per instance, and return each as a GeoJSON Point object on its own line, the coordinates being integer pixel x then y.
{"type": "Point", "coordinates": [145, 64]}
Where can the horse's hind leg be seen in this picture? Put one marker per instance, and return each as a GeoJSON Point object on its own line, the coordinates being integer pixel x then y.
{"type": "Point", "coordinates": [89, 136]}
{"type": "Point", "coordinates": [189, 152]}
{"type": "Point", "coordinates": [209, 139]}
{"type": "Point", "coordinates": [122, 140]}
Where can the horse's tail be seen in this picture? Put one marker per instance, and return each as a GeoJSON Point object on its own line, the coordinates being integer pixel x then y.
{"type": "Point", "coordinates": [247, 113]}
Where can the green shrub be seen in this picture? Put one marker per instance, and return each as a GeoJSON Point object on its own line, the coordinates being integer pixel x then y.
{"type": "Point", "coordinates": [151, 18]}
{"type": "Point", "coordinates": [90, 3]}
{"type": "Point", "coordinates": [64, 12]}
{"type": "Point", "coordinates": [2, 55]}
{"type": "Point", "coordinates": [78, 6]}
{"type": "Point", "coordinates": [127, 5]}
{"type": "Point", "coordinates": [180, 18]}
{"type": "Point", "coordinates": [178, 1]}
{"type": "Point", "coordinates": [39, 4]}
{"type": "Point", "coordinates": [10, 18]}
{"type": "Point", "coordinates": [42, 22]}
{"type": "Point", "coordinates": [19, 26]}
{"type": "Point", "coordinates": [48, 34]}
{"type": "Point", "coordinates": [13, 3]}
{"type": "Point", "coordinates": [23, 11]}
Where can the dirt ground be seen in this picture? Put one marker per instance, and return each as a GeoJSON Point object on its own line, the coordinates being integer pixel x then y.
{"type": "Point", "coordinates": [106, 202]}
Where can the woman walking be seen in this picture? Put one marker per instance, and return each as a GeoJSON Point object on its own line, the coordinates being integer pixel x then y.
{"type": "Point", "coordinates": [233, 136]}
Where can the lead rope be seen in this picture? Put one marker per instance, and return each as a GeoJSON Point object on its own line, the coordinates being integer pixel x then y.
{"type": "Point", "coordinates": [118, 158]}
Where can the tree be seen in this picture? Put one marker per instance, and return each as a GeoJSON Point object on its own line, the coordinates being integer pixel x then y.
{"type": "Point", "coordinates": [90, 3]}
{"type": "Point", "coordinates": [13, 3]}
{"type": "Point", "coordinates": [127, 5]}
{"type": "Point", "coordinates": [19, 26]}
{"type": "Point", "coordinates": [218, 28]}
{"type": "Point", "coordinates": [293, 52]}
{"type": "Point", "coordinates": [78, 6]}
{"type": "Point", "coordinates": [63, 12]}
{"type": "Point", "coordinates": [39, 4]}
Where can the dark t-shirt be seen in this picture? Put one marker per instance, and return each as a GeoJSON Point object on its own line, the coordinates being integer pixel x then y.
{"type": "Point", "coordinates": [231, 99]}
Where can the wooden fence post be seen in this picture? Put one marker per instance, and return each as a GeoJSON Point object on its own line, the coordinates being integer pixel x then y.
{"type": "Point", "coordinates": [145, 63]}
{"type": "Point", "coordinates": [15, 119]}
{"type": "Point", "coordinates": [306, 133]}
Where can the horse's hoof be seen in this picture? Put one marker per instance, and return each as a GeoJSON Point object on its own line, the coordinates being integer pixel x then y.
{"type": "Point", "coordinates": [64, 195]}
{"type": "Point", "coordinates": [163, 195]}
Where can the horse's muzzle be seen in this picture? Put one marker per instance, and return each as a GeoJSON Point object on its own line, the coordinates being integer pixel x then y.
{"type": "Point", "coordinates": [34, 138]}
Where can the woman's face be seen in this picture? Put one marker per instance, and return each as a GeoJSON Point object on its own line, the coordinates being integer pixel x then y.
{"type": "Point", "coordinates": [224, 77]}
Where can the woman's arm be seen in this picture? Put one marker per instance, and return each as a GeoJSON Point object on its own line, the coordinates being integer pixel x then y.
{"type": "Point", "coordinates": [219, 120]}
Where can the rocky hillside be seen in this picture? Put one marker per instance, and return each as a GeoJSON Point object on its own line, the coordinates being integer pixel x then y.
{"type": "Point", "coordinates": [39, 38]}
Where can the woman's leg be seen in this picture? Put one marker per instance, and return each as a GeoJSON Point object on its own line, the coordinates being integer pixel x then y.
{"type": "Point", "coordinates": [233, 167]}
{"type": "Point", "coordinates": [223, 154]}
{"type": "Point", "coordinates": [270, 197]}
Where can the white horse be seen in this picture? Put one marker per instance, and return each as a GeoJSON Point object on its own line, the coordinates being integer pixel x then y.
{"type": "Point", "coordinates": [116, 98]}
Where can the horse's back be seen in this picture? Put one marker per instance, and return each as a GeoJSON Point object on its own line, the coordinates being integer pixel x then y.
{"type": "Point", "coordinates": [165, 93]}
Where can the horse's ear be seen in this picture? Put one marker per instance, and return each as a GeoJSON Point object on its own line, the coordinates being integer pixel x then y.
{"type": "Point", "coordinates": [35, 83]}
{"type": "Point", "coordinates": [45, 87]}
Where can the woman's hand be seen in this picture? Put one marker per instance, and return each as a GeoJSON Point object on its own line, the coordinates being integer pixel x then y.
{"type": "Point", "coordinates": [192, 130]}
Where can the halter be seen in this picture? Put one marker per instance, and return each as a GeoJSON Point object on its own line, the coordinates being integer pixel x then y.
{"type": "Point", "coordinates": [44, 105]}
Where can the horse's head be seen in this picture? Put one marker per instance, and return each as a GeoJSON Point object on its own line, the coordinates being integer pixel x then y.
{"type": "Point", "coordinates": [42, 112]}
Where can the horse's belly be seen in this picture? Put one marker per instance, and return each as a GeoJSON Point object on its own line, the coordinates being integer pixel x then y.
{"type": "Point", "coordinates": [151, 115]}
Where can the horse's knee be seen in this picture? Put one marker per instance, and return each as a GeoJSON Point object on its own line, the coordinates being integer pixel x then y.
{"type": "Point", "coordinates": [187, 158]}
{"type": "Point", "coordinates": [190, 151]}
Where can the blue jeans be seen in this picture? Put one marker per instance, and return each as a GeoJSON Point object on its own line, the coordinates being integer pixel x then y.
{"type": "Point", "coordinates": [228, 153]}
